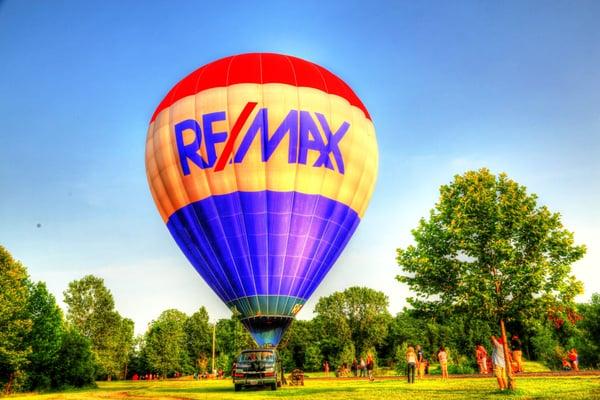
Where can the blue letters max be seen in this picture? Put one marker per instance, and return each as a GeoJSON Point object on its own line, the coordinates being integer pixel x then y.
{"type": "Point", "coordinates": [303, 130]}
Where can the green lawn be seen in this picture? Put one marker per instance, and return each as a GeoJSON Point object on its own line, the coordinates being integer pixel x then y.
{"type": "Point", "coordinates": [567, 388]}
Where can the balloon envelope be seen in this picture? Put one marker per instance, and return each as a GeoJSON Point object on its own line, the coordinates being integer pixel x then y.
{"type": "Point", "coordinates": [262, 165]}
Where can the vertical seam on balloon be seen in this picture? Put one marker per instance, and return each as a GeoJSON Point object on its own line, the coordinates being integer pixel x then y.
{"type": "Point", "coordinates": [188, 200]}
{"type": "Point", "coordinates": [164, 200]}
{"type": "Point", "coordinates": [149, 160]}
{"type": "Point", "coordinates": [242, 215]}
{"type": "Point", "coordinates": [262, 98]}
{"type": "Point", "coordinates": [208, 183]}
{"type": "Point", "coordinates": [319, 267]}
{"type": "Point", "coordinates": [295, 189]}
{"type": "Point", "coordinates": [170, 148]}
{"type": "Point", "coordinates": [349, 210]}
{"type": "Point", "coordinates": [216, 259]}
{"type": "Point", "coordinates": [266, 172]}
{"type": "Point", "coordinates": [195, 213]}
{"type": "Point", "coordinates": [323, 176]}
{"type": "Point", "coordinates": [226, 242]}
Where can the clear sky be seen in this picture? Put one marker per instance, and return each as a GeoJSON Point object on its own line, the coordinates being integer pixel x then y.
{"type": "Point", "coordinates": [451, 86]}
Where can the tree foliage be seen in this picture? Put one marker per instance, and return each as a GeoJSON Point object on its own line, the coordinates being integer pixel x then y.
{"type": "Point", "coordinates": [489, 251]}
{"type": "Point", "coordinates": [91, 309]}
{"type": "Point", "coordinates": [588, 340]}
{"type": "Point", "coordinates": [231, 339]}
{"type": "Point", "coordinates": [356, 316]}
{"type": "Point", "coordinates": [45, 338]}
{"type": "Point", "coordinates": [199, 336]}
{"type": "Point", "coordinates": [38, 351]}
{"type": "Point", "coordinates": [300, 347]}
{"type": "Point", "coordinates": [165, 343]}
{"type": "Point", "coordinates": [15, 322]}
{"type": "Point", "coordinates": [75, 365]}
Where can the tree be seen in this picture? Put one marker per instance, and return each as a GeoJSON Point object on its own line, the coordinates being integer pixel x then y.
{"type": "Point", "coordinates": [231, 339]}
{"type": "Point", "coordinates": [15, 323]}
{"type": "Point", "coordinates": [75, 365]}
{"type": "Point", "coordinates": [138, 361]}
{"type": "Point", "coordinates": [45, 338]}
{"type": "Point", "coordinates": [91, 309]}
{"type": "Point", "coordinates": [300, 347]}
{"type": "Point", "coordinates": [124, 342]}
{"type": "Point", "coordinates": [489, 251]}
{"type": "Point", "coordinates": [588, 344]}
{"type": "Point", "coordinates": [357, 316]}
{"type": "Point", "coordinates": [198, 336]}
{"type": "Point", "coordinates": [165, 343]}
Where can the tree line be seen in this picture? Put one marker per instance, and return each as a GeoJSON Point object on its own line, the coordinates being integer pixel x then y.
{"type": "Point", "coordinates": [486, 254]}
{"type": "Point", "coordinates": [41, 349]}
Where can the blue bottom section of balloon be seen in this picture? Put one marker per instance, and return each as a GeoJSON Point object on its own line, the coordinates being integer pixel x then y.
{"type": "Point", "coordinates": [247, 244]}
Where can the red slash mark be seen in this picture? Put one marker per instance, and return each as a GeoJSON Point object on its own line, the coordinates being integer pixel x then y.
{"type": "Point", "coordinates": [237, 127]}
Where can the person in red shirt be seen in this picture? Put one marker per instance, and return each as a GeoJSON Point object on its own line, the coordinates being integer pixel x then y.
{"type": "Point", "coordinates": [481, 356]}
{"type": "Point", "coordinates": [443, 359]}
{"type": "Point", "coordinates": [574, 358]}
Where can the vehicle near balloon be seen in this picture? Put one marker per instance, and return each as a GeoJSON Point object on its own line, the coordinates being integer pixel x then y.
{"type": "Point", "coordinates": [257, 367]}
{"type": "Point", "coordinates": [262, 166]}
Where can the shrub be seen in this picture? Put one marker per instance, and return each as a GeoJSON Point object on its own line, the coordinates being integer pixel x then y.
{"type": "Point", "coordinates": [401, 358]}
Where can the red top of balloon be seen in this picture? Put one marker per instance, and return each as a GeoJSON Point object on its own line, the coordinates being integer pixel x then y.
{"type": "Point", "coordinates": [260, 68]}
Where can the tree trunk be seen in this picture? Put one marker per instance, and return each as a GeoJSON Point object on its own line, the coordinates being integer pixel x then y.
{"type": "Point", "coordinates": [9, 385]}
{"type": "Point", "coordinates": [508, 367]}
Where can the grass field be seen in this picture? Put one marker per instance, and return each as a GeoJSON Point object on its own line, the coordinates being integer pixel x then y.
{"type": "Point", "coordinates": [568, 388]}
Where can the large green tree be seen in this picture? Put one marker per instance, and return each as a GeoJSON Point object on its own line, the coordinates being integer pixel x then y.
{"type": "Point", "coordinates": [300, 347]}
{"type": "Point", "coordinates": [15, 321]}
{"type": "Point", "coordinates": [231, 339]}
{"type": "Point", "coordinates": [45, 338]}
{"type": "Point", "coordinates": [75, 364]}
{"type": "Point", "coordinates": [165, 343]}
{"type": "Point", "coordinates": [356, 317]}
{"type": "Point", "coordinates": [91, 309]}
{"type": "Point", "coordinates": [198, 337]}
{"type": "Point", "coordinates": [123, 346]}
{"type": "Point", "coordinates": [589, 342]}
{"type": "Point", "coordinates": [488, 250]}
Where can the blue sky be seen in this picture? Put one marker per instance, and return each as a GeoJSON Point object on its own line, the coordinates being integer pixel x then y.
{"type": "Point", "coordinates": [451, 86]}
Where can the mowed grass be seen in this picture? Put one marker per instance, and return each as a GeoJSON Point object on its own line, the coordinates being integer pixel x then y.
{"type": "Point", "coordinates": [570, 387]}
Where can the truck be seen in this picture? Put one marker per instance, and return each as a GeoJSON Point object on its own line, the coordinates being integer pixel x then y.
{"type": "Point", "coordinates": [257, 367]}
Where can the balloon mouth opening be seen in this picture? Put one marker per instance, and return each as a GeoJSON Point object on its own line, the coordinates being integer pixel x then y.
{"type": "Point", "coordinates": [267, 330]}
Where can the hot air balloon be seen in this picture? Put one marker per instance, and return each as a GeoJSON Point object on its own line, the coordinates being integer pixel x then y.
{"type": "Point", "coordinates": [261, 166]}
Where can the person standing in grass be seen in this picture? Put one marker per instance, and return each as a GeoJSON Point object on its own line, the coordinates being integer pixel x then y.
{"type": "Point", "coordinates": [517, 353]}
{"type": "Point", "coordinates": [363, 367]}
{"type": "Point", "coordinates": [370, 366]}
{"type": "Point", "coordinates": [499, 363]}
{"type": "Point", "coordinates": [326, 367]}
{"type": "Point", "coordinates": [574, 359]}
{"type": "Point", "coordinates": [481, 355]}
{"type": "Point", "coordinates": [411, 361]}
{"type": "Point", "coordinates": [443, 359]}
{"type": "Point", "coordinates": [354, 367]}
{"type": "Point", "coordinates": [420, 363]}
